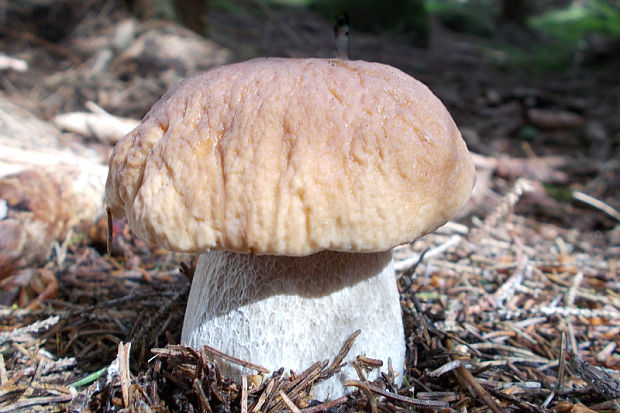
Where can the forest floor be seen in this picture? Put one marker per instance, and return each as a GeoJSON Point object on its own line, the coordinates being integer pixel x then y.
{"type": "Point", "coordinates": [513, 307]}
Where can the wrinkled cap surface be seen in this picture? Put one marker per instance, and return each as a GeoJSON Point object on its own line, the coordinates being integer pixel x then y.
{"type": "Point", "coordinates": [291, 157]}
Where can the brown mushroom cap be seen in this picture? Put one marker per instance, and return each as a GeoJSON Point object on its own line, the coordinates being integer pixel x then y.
{"type": "Point", "coordinates": [291, 157]}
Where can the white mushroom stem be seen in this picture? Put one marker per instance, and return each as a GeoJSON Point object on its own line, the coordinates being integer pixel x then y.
{"type": "Point", "coordinates": [293, 311]}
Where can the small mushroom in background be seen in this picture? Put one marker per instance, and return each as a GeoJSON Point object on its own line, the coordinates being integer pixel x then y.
{"type": "Point", "coordinates": [293, 178]}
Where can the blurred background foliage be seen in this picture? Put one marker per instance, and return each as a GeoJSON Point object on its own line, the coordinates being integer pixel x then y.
{"type": "Point", "coordinates": [533, 35]}
{"type": "Point", "coordinates": [522, 35]}
{"type": "Point", "coordinates": [545, 35]}
{"type": "Point", "coordinates": [406, 20]}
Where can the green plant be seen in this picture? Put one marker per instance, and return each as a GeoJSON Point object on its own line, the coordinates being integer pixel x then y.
{"type": "Point", "coordinates": [573, 23]}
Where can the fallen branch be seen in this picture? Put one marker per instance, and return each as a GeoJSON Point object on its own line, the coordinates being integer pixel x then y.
{"type": "Point", "coordinates": [599, 380]}
{"type": "Point", "coordinates": [468, 381]}
{"type": "Point", "coordinates": [20, 334]}
{"type": "Point", "coordinates": [98, 123]}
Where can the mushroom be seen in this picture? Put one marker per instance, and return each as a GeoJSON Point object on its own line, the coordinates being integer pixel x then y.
{"type": "Point", "coordinates": [294, 179]}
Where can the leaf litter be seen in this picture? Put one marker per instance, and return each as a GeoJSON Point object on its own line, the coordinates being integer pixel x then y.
{"type": "Point", "coordinates": [517, 310]}
{"type": "Point", "coordinates": [503, 320]}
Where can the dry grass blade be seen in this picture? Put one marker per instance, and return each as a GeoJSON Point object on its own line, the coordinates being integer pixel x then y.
{"type": "Point", "coordinates": [301, 382]}
{"type": "Point", "coordinates": [467, 380]}
{"type": "Point", "coordinates": [326, 406]}
{"type": "Point", "coordinates": [235, 360]}
{"type": "Point", "coordinates": [369, 362]}
{"type": "Point", "coordinates": [344, 350]}
{"type": "Point", "coordinates": [263, 397]}
{"type": "Point", "coordinates": [35, 401]}
{"type": "Point", "coordinates": [449, 366]}
{"type": "Point", "coordinates": [124, 372]}
{"type": "Point", "coordinates": [363, 386]}
{"type": "Point", "coordinates": [110, 238]}
{"type": "Point", "coordinates": [288, 402]}
{"type": "Point", "coordinates": [596, 203]}
{"type": "Point", "coordinates": [3, 376]}
{"type": "Point", "coordinates": [202, 397]}
{"type": "Point", "coordinates": [219, 396]}
{"type": "Point", "coordinates": [244, 394]}
{"type": "Point", "coordinates": [422, 320]}
{"type": "Point", "coordinates": [430, 404]}
{"type": "Point", "coordinates": [560, 380]}
{"type": "Point", "coordinates": [524, 406]}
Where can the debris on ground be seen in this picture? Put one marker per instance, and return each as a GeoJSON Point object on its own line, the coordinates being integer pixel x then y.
{"type": "Point", "coordinates": [514, 307]}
